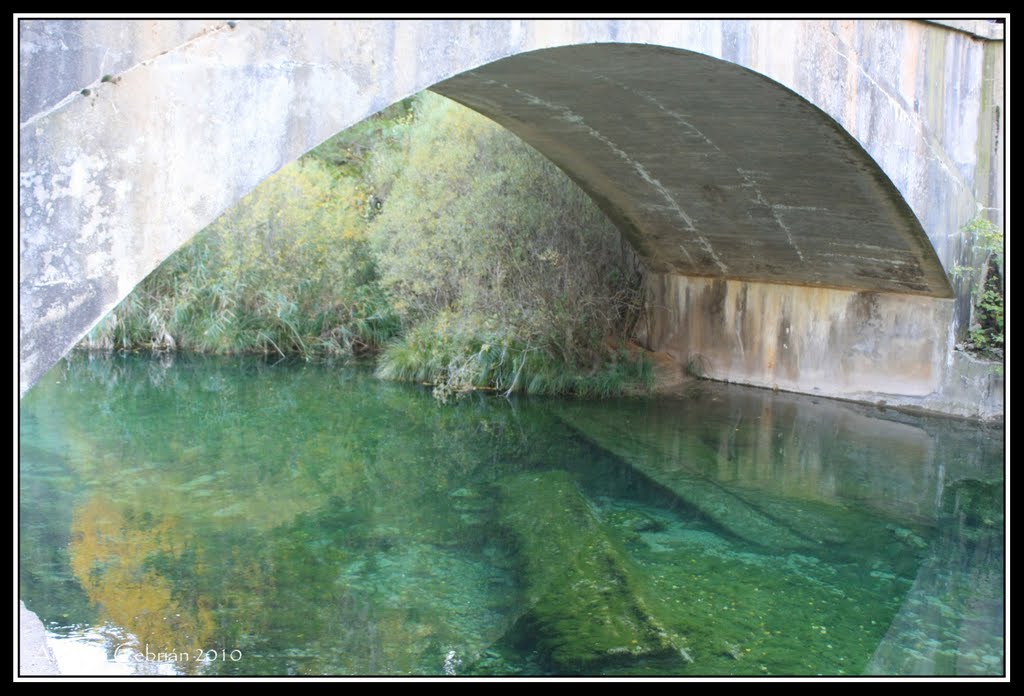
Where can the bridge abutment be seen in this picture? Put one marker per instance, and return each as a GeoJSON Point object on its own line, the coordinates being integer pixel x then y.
{"type": "Point", "coordinates": [857, 345]}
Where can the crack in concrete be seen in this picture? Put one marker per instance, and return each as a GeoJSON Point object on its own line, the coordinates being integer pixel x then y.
{"type": "Point", "coordinates": [781, 206]}
{"type": "Point", "coordinates": [789, 233]}
{"type": "Point", "coordinates": [689, 258]}
{"type": "Point", "coordinates": [674, 115]}
{"type": "Point", "coordinates": [886, 261]}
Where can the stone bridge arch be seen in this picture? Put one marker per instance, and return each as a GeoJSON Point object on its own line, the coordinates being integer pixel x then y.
{"type": "Point", "coordinates": [691, 134]}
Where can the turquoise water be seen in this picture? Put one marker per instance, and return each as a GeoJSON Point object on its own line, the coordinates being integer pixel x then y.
{"type": "Point", "coordinates": [234, 517]}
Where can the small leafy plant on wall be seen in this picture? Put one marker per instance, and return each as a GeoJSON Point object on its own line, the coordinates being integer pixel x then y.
{"type": "Point", "coordinates": [986, 334]}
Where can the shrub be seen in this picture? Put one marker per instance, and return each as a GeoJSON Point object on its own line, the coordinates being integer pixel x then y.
{"type": "Point", "coordinates": [484, 242]}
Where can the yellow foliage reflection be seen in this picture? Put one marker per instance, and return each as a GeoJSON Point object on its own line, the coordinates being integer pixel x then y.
{"type": "Point", "coordinates": [115, 554]}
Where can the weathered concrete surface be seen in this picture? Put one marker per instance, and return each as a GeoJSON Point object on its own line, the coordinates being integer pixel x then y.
{"type": "Point", "coordinates": [981, 28]}
{"type": "Point", "coordinates": [197, 113]}
{"type": "Point", "coordinates": [825, 341]}
{"type": "Point", "coordinates": [34, 655]}
{"type": "Point", "coordinates": [864, 346]}
{"type": "Point", "coordinates": [970, 387]}
{"type": "Point", "coordinates": [57, 58]}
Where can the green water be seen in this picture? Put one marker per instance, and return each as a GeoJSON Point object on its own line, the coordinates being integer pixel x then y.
{"type": "Point", "coordinates": [234, 517]}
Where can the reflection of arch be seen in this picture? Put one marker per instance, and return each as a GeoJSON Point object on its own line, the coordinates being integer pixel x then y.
{"type": "Point", "coordinates": [113, 182]}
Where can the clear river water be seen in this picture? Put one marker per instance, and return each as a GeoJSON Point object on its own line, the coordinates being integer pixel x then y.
{"type": "Point", "coordinates": [236, 517]}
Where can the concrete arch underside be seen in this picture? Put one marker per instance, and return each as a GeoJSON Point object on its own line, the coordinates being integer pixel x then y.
{"type": "Point", "coordinates": [788, 247]}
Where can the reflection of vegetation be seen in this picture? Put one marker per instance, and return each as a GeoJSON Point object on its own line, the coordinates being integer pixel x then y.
{"type": "Point", "coordinates": [974, 504]}
{"type": "Point", "coordinates": [277, 509]}
{"type": "Point", "coordinates": [118, 553]}
{"type": "Point", "coordinates": [45, 578]}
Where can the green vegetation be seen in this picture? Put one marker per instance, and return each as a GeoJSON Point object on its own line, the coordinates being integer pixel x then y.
{"type": "Point", "coordinates": [506, 273]}
{"type": "Point", "coordinates": [426, 235]}
{"type": "Point", "coordinates": [286, 271]}
{"type": "Point", "coordinates": [986, 329]}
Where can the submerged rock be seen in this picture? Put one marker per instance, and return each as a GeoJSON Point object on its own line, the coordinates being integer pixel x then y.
{"type": "Point", "coordinates": [585, 603]}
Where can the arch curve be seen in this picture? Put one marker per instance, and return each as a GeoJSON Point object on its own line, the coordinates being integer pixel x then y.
{"type": "Point", "coordinates": [116, 173]}
{"type": "Point", "coordinates": [710, 169]}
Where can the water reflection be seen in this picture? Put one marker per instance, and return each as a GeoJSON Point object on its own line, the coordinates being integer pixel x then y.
{"type": "Point", "coordinates": [120, 555]}
{"type": "Point", "coordinates": [312, 520]}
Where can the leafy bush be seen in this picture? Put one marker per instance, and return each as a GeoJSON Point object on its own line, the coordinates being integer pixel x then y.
{"type": "Point", "coordinates": [427, 229]}
{"type": "Point", "coordinates": [288, 270]}
{"type": "Point", "coordinates": [457, 354]}
{"type": "Point", "coordinates": [508, 272]}
{"type": "Point", "coordinates": [987, 321]}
